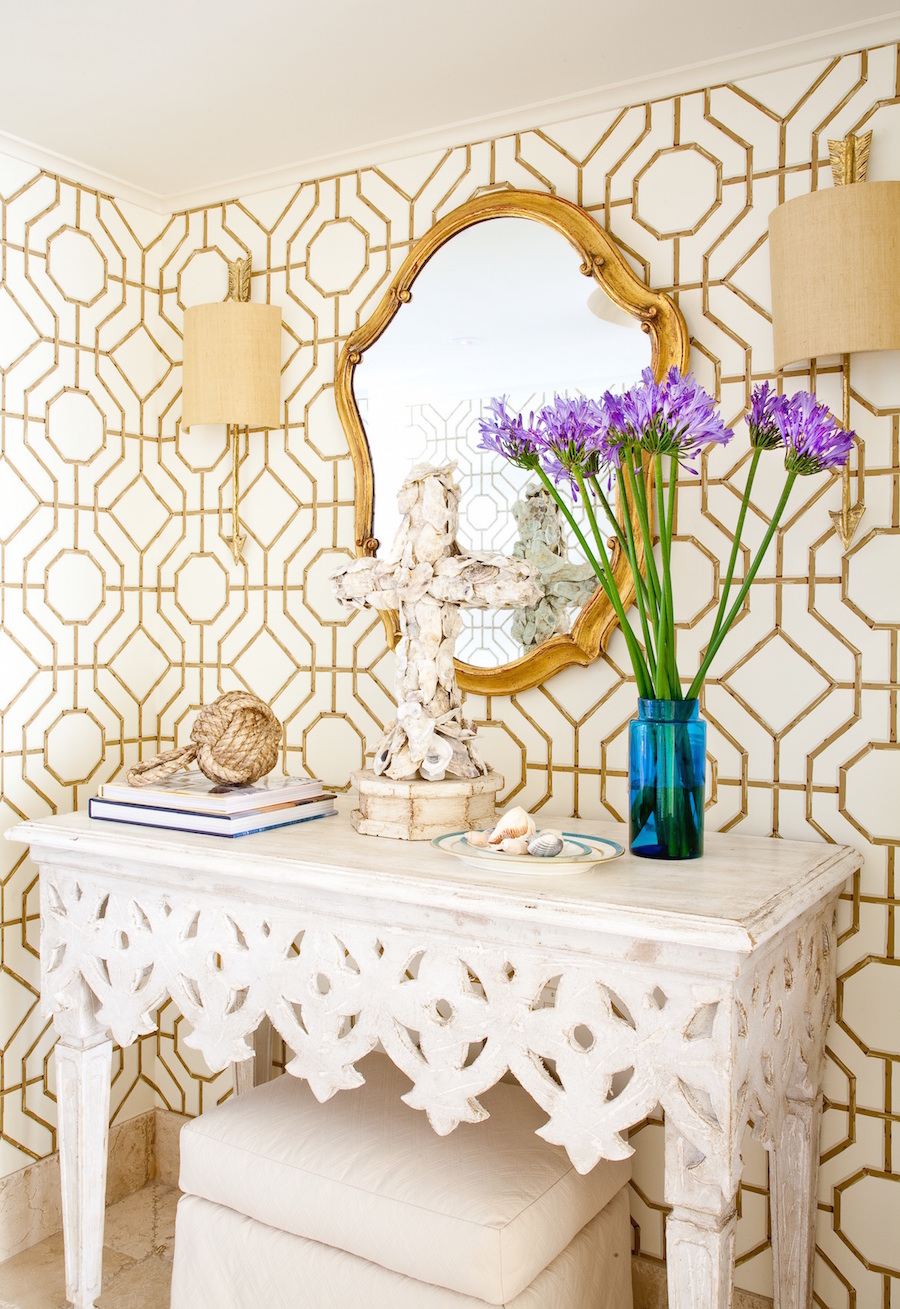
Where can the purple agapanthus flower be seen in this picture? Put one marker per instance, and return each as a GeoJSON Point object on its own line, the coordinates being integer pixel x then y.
{"type": "Point", "coordinates": [814, 440]}
{"type": "Point", "coordinates": [673, 417]}
{"type": "Point", "coordinates": [573, 434]}
{"type": "Point", "coordinates": [765, 405]}
{"type": "Point", "coordinates": [510, 435]}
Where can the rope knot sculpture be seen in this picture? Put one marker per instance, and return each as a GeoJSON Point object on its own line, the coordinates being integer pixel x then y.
{"type": "Point", "coordinates": [235, 740]}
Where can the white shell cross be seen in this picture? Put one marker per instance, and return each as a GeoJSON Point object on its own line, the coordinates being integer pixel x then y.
{"type": "Point", "coordinates": [428, 580]}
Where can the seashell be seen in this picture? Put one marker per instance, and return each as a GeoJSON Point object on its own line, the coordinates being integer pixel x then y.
{"type": "Point", "coordinates": [513, 845]}
{"type": "Point", "coordinates": [515, 822]}
{"type": "Point", "coordinates": [432, 768]}
{"type": "Point", "coordinates": [437, 757]}
{"type": "Point", "coordinates": [478, 839]}
{"type": "Point", "coordinates": [546, 844]}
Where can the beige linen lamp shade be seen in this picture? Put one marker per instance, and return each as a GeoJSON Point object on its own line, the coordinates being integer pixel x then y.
{"type": "Point", "coordinates": [835, 264]}
{"type": "Point", "coordinates": [232, 365]}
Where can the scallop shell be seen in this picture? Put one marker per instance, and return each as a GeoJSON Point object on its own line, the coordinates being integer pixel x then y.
{"type": "Point", "coordinates": [513, 845]}
{"type": "Point", "coordinates": [515, 822]}
{"type": "Point", "coordinates": [478, 839]}
{"type": "Point", "coordinates": [546, 844]}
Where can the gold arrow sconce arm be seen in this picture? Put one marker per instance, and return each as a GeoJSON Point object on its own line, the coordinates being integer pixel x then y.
{"type": "Point", "coordinates": [849, 164]}
{"type": "Point", "coordinates": [847, 519]}
{"type": "Point", "coordinates": [232, 371]}
{"type": "Point", "coordinates": [835, 265]}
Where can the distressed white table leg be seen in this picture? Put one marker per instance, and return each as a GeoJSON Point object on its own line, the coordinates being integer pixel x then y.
{"type": "Point", "coordinates": [83, 1066]}
{"type": "Point", "coordinates": [700, 1258]}
{"type": "Point", "coordinates": [253, 1072]}
{"type": "Point", "coordinates": [800, 990]}
{"type": "Point", "coordinates": [795, 1166]}
{"type": "Point", "coordinates": [699, 1231]}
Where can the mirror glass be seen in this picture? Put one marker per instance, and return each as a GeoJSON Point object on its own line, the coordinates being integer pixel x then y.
{"type": "Point", "coordinates": [501, 309]}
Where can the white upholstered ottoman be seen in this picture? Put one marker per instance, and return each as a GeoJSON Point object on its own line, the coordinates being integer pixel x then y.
{"type": "Point", "coordinates": [357, 1203]}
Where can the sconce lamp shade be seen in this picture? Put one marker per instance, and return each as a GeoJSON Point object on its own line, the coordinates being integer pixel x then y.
{"type": "Point", "coordinates": [232, 365]}
{"type": "Point", "coordinates": [835, 264]}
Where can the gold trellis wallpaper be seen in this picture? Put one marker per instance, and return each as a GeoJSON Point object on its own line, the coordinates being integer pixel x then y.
{"type": "Point", "coordinates": [122, 609]}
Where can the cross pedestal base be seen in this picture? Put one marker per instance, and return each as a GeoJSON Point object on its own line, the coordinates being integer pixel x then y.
{"type": "Point", "coordinates": [415, 810]}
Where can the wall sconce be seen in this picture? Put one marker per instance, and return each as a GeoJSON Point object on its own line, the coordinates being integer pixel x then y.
{"type": "Point", "coordinates": [835, 261]}
{"type": "Point", "coordinates": [232, 370]}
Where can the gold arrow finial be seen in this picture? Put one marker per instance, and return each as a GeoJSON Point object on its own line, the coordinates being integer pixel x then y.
{"type": "Point", "coordinates": [239, 279]}
{"type": "Point", "coordinates": [846, 520]}
{"type": "Point", "coordinates": [850, 158]}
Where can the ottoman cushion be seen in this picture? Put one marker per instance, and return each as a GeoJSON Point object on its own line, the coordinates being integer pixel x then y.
{"type": "Point", "coordinates": [224, 1260]}
{"type": "Point", "coordinates": [481, 1211]}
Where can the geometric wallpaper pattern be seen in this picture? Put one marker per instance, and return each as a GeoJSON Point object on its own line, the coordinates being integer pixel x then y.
{"type": "Point", "coordinates": [122, 609]}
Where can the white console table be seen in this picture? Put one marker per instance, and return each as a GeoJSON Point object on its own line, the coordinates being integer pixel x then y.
{"type": "Point", "coordinates": [705, 987]}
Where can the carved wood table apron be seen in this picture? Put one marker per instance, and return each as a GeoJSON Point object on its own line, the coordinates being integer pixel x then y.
{"type": "Point", "coordinates": [706, 988]}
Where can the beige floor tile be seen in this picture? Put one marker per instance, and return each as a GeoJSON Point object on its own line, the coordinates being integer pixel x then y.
{"type": "Point", "coordinates": [144, 1285]}
{"type": "Point", "coordinates": [137, 1259]}
{"type": "Point", "coordinates": [130, 1224]}
{"type": "Point", "coordinates": [166, 1203]}
{"type": "Point", "coordinates": [143, 1223]}
{"type": "Point", "coordinates": [36, 1279]}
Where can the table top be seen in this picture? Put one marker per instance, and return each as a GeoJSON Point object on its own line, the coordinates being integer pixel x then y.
{"type": "Point", "coordinates": [743, 891]}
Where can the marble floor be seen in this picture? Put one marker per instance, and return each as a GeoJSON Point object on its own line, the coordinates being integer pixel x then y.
{"type": "Point", "coordinates": [137, 1259]}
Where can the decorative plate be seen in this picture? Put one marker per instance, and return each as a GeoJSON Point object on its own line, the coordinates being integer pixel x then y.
{"type": "Point", "coordinates": [579, 855]}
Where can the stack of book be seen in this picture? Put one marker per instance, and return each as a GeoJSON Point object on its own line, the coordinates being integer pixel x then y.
{"type": "Point", "coordinates": [190, 802]}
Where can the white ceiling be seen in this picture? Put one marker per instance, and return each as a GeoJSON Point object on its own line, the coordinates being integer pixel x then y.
{"type": "Point", "coordinates": [172, 102]}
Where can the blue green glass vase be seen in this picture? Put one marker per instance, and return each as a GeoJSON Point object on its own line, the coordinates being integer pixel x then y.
{"type": "Point", "coordinates": [666, 779]}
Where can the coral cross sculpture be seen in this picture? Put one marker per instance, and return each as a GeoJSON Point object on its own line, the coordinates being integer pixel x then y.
{"type": "Point", "coordinates": [566, 586]}
{"type": "Point", "coordinates": [428, 580]}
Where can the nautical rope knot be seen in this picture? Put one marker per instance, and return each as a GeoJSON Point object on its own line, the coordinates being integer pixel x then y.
{"type": "Point", "coordinates": [235, 740]}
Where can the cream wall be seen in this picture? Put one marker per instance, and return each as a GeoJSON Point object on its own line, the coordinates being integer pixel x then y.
{"type": "Point", "coordinates": [122, 609]}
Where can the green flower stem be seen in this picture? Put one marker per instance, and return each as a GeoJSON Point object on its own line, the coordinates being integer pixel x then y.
{"type": "Point", "coordinates": [607, 566]}
{"type": "Point", "coordinates": [626, 541]}
{"type": "Point", "coordinates": [673, 492]}
{"type": "Point", "coordinates": [641, 672]}
{"type": "Point", "coordinates": [672, 682]}
{"type": "Point", "coordinates": [670, 528]}
{"type": "Point", "coordinates": [582, 540]}
{"type": "Point", "coordinates": [735, 608]}
{"type": "Point", "coordinates": [639, 499]}
{"type": "Point", "coordinates": [640, 587]}
{"type": "Point", "coordinates": [662, 685]}
{"type": "Point", "coordinates": [608, 510]}
{"type": "Point", "coordinates": [732, 563]}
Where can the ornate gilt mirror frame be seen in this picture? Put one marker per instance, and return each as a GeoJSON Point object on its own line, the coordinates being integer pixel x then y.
{"type": "Point", "coordinates": [660, 318]}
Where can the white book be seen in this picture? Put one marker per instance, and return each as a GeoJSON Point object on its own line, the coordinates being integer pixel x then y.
{"type": "Point", "coordinates": [194, 793]}
{"type": "Point", "coordinates": [177, 820]}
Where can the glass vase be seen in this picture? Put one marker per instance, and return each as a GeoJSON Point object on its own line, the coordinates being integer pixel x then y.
{"type": "Point", "coordinates": [666, 779]}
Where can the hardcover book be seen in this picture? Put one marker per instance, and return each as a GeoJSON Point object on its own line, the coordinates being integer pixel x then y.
{"type": "Point", "coordinates": [194, 793]}
{"type": "Point", "coordinates": [179, 820]}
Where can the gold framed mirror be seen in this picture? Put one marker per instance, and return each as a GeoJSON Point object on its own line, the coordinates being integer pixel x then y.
{"type": "Point", "coordinates": [471, 292]}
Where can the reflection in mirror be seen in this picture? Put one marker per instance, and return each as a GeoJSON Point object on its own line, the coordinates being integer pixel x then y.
{"type": "Point", "coordinates": [502, 309]}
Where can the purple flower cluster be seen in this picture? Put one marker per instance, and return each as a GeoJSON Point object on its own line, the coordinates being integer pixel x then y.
{"type": "Point", "coordinates": [766, 409]}
{"type": "Point", "coordinates": [566, 435]}
{"type": "Point", "coordinates": [585, 437]}
{"type": "Point", "coordinates": [572, 435]}
{"type": "Point", "coordinates": [813, 439]}
{"type": "Point", "coordinates": [509, 435]}
{"type": "Point", "coordinates": [674, 417]}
